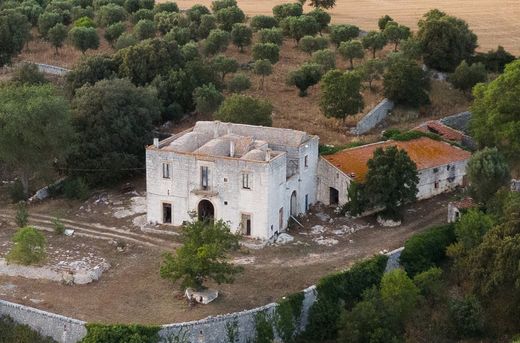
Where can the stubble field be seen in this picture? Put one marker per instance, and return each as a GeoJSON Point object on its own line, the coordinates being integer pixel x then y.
{"type": "Point", "coordinates": [496, 22]}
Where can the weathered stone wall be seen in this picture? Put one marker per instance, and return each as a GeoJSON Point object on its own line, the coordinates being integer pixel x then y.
{"type": "Point", "coordinates": [208, 330]}
{"type": "Point", "coordinates": [374, 117]}
{"type": "Point", "coordinates": [60, 328]}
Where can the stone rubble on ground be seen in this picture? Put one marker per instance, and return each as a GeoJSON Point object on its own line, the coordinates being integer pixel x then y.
{"type": "Point", "coordinates": [325, 241]}
{"type": "Point", "coordinates": [388, 222]}
{"type": "Point", "coordinates": [244, 260]}
{"type": "Point", "coordinates": [284, 238]}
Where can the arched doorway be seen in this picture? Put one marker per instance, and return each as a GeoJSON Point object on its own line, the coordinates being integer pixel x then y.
{"type": "Point", "coordinates": [294, 205]}
{"type": "Point", "coordinates": [206, 211]}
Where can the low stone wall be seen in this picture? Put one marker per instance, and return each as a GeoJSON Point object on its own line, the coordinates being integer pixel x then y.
{"type": "Point", "coordinates": [60, 328]}
{"type": "Point", "coordinates": [214, 329]}
{"type": "Point", "coordinates": [208, 330]}
{"type": "Point", "coordinates": [374, 117]}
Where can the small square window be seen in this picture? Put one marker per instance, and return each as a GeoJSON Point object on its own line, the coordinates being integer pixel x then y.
{"type": "Point", "coordinates": [225, 202]}
{"type": "Point", "coordinates": [225, 179]}
{"type": "Point", "coordinates": [435, 170]}
{"type": "Point", "coordinates": [166, 170]}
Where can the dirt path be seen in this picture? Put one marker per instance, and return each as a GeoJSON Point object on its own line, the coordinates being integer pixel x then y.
{"type": "Point", "coordinates": [95, 230]}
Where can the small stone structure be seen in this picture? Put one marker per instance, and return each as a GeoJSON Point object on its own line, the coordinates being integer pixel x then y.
{"type": "Point", "coordinates": [374, 117]}
{"type": "Point", "coordinates": [515, 185]}
{"type": "Point", "coordinates": [208, 330]}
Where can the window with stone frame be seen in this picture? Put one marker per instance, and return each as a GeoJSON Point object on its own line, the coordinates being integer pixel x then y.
{"type": "Point", "coordinates": [166, 170]}
{"type": "Point", "coordinates": [247, 180]}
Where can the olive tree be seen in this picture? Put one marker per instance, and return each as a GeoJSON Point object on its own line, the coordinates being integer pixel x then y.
{"type": "Point", "coordinates": [350, 50]}
{"type": "Point", "coordinates": [241, 35]}
{"type": "Point", "coordinates": [340, 94]}
{"type": "Point", "coordinates": [307, 75]}
{"type": "Point", "coordinates": [84, 38]}
{"type": "Point", "coordinates": [245, 110]}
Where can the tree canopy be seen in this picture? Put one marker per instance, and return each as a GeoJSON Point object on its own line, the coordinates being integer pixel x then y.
{"type": "Point", "coordinates": [203, 255]}
{"type": "Point", "coordinates": [14, 33]}
{"type": "Point", "coordinates": [307, 75]}
{"type": "Point", "coordinates": [445, 40]}
{"type": "Point", "coordinates": [466, 76]}
{"type": "Point", "coordinates": [496, 113]}
{"type": "Point", "coordinates": [405, 82]}
{"type": "Point", "coordinates": [245, 110]}
{"type": "Point", "coordinates": [487, 171]}
{"type": "Point", "coordinates": [391, 180]}
{"type": "Point", "coordinates": [35, 129]}
{"type": "Point", "coordinates": [114, 121]}
{"type": "Point", "coordinates": [340, 94]}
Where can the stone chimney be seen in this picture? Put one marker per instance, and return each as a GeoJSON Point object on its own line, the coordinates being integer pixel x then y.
{"type": "Point", "coordinates": [268, 155]}
{"type": "Point", "coordinates": [156, 142]}
{"type": "Point", "coordinates": [231, 148]}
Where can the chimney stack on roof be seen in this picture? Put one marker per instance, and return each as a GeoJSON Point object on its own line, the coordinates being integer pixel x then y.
{"type": "Point", "coordinates": [231, 148]}
{"type": "Point", "coordinates": [268, 155]}
{"type": "Point", "coordinates": [156, 142]}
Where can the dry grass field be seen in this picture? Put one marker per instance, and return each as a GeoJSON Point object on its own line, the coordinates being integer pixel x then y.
{"type": "Point", "coordinates": [494, 21]}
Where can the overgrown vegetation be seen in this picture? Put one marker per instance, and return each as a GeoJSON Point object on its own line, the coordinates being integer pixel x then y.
{"type": "Point", "coordinates": [14, 332]}
{"type": "Point", "coordinates": [29, 247]}
{"type": "Point", "coordinates": [121, 333]}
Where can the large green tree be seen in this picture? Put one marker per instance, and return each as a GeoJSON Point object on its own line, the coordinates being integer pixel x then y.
{"type": "Point", "coordinates": [84, 38]}
{"type": "Point", "coordinates": [142, 62]}
{"type": "Point", "coordinates": [340, 94]}
{"type": "Point", "coordinates": [203, 255]}
{"type": "Point", "coordinates": [14, 33]}
{"type": "Point", "coordinates": [496, 113]}
{"type": "Point", "coordinates": [343, 33]}
{"type": "Point", "coordinates": [298, 27]}
{"type": "Point", "coordinates": [445, 40]}
{"type": "Point", "coordinates": [229, 16]}
{"type": "Point", "coordinates": [405, 82]}
{"type": "Point", "coordinates": [395, 33]}
{"type": "Point", "coordinates": [241, 35]}
{"type": "Point", "coordinates": [350, 50]}
{"type": "Point", "coordinates": [35, 130]}
{"type": "Point", "coordinates": [245, 110]}
{"type": "Point", "coordinates": [391, 181]}
{"type": "Point", "coordinates": [487, 173]}
{"type": "Point", "coordinates": [114, 121]}
{"type": "Point", "coordinates": [91, 69]}
{"type": "Point", "coordinates": [57, 35]}
{"type": "Point", "coordinates": [374, 41]}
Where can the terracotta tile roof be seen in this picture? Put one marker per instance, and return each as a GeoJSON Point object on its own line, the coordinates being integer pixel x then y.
{"type": "Point", "coordinates": [464, 203]}
{"type": "Point", "coordinates": [424, 151]}
{"type": "Point", "coordinates": [442, 130]}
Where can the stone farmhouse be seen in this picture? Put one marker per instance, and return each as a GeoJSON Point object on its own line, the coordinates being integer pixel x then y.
{"type": "Point", "coordinates": [257, 178]}
{"type": "Point", "coordinates": [254, 177]}
{"type": "Point", "coordinates": [441, 168]}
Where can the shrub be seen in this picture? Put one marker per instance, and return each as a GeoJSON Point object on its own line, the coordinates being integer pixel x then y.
{"type": "Point", "coordinates": [22, 215]}
{"type": "Point", "coordinates": [345, 287]}
{"type": "Point", "coordinates": [245, 110]}
{"type": "Point", "coordinates": [217, 41]}
{"type": "Point", "coordinates": [59, 227]}
{"type": "Point", "coordinates": [468, 316]}
{"type": "Point", "coordinates": [16, 192]}
{"type": "Point", "coordinates": [125, 40]}
{"type": "Point", "coordinates": [266, 51]}
{"type": "Point", "coordinates": [28, 73]}
{"type": "Point", "coordinates": [84, 38]}
{"type": "Point", "coordinates": [76, 188]}
{"type": "Point", "coordinates": [429, 282]}
{"type": "Point", "coordinates": [166, 7]}
{"type": "Point", "coordinates": [326, 58]}
{"type": "Point", "coordinates": [29, 247]}
{"type": "Point", "coordinates": [84, 22]}
{"type": "Point", "coordinates": [264, 328]}
{"type": "Point", "coordinates": [110, 14]}
{"type": "Point", "coordinates": [143, 13]}
{"type": "Point", "coordinates": [144, 29]}
{"type": "Point", "coordinates": [239, 83]}
{"type": "Point", "coordinates": [259, 22]}
{"type": "Point", "coordinates": [114, 31]}
{"type": "Point", "coordinates": [14, 332]}
{"type": "Point", "coordinates": [426, 249]}
{"type": "Point", "coordinates": [121, 333]}
{"type": "Point", "coordinates": [287, 316]}
{"type": "Point", "coordinates": [273, 35]}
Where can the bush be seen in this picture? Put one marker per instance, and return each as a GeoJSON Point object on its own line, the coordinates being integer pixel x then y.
{"type": "Point", "coordinates": [144, 29]}
{"type": "Point", "coordinates": [75, 188]}
{"type": "Point", "coordinates": [426, 249]}
{"type": "Point", "coordinates": [468, 316]}
{"type": "Point", "coordinates": [13, 332]}
{"type": "Point", "coordinates": [309, 44]}
{"type": "Point", "coordinates": [59, 227]}
{"type": "Point", "coordinates": [266, 51]}
{"type": "Point", "coordinates": [259, 22]}
{"type": "Point", "coordinates": [345, 287]}
{"type": "Point", "coordinates": [273, 35]}
{"type": "Point", "coordinates": [16, 192]}
{"type": "Point", "coordinates": [245, 110]}
{"type": "Point", "coordinates": [110, 14]}
{"type": "Point", "coordinates": [264, 328]}
{"type": "Point", "coordinates": [125, 40]}
{"type": "Point", "coordinates": [114, 31]}
{"type": "Point", "coordinates": [239, 83]}
{"type": "Point", "coordinates": [84, 22]}
{"type": "Point", "coordinates": [121, 333]}
{"type": "Point", "coordinates": [22, 215]}
{"type": "Point", "coordinates": [143, 13]}
{"type": "Point", "coordinates": [29, 247]}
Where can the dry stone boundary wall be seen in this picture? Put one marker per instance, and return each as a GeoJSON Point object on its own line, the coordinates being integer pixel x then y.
{"type": "Point", "coordinates": [208, 330]}
{"type": "Point", "coordinates": [374, 117]}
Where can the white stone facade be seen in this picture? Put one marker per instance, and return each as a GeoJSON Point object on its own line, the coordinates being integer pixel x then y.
{"type": "Point", "coordinates": [250, 176]}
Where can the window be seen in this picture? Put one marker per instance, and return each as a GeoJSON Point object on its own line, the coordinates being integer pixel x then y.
{"type": "Point", "coordinates": [435, 170]}
{"type": "Point", "coordinates": [166, 170]}
{"type": "Point", "coordinates": [436, 184]}
{"type": "Point", "coordinates": [306, 161]}
{"type": "Point", "coordinates": [306, 202]}
{"type": "Point", "coordinates": [246, 181]}
{"type": "Point", "coordinates": [204, 177]}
